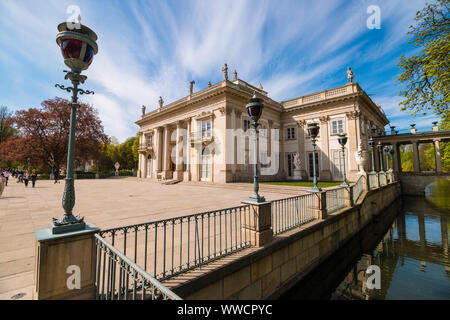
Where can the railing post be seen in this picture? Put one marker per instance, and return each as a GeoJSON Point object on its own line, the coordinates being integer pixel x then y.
{"type": "Point", "coordinates": [377, 181]}
{"type": "Point", "coordinates": [349, 196]}
{"type": "Point", "coordinates": [62, 262]}
{"type": "Point", "coordinates": [258, 223]}
{"type": "Point", "coordinates": [320, 205]}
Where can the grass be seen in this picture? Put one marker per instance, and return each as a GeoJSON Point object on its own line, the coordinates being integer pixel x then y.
{"type": "Point", "coordinates": [321, 184]}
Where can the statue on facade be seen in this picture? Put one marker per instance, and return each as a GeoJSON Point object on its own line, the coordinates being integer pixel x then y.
{"type": "Point", "coordinates": [209, 84]}
{"type": "Point", "coordinates": [361, 157]}
{"type": "Point", "coordinates": [260, 86]}
{"type": "Point", "coordinates": [117, 166]}
{"type": "Point", "coordinates": [143, 110]}
{"type": "Point", "coordinates": [225, 72]}
{"type": "Point", "coordinates": [191, 87]}
{"type": "Point", "coordinates": [350, 75]}
{"type": "Point", "coordinates": [161, 102]}
{"type": "Point", "coordinates": [234, 75]}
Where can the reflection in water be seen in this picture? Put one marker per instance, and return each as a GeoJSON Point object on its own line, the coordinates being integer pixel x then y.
{"type": "Point", "coordinates": [409, 244]}
{"type": "Point", "coordinates": [412, 256]}
{"type": "Point", "coordinates": [438, 193]}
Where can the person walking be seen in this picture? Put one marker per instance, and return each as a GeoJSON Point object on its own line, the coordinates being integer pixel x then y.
{"type": "Point", "coordinates": [2, 184]}
{"type": "Point", "coordinates": [33, 178]}
{"type": "Point", "coordinates": [25, 178]}
{"type": "Point", "coordinates": [56, 175]}
{"type": "Point", "coordinates": [6, 175]}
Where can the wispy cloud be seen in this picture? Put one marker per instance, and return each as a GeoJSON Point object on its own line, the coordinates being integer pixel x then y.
{"type": "Point", "coordinates": [149, 49]}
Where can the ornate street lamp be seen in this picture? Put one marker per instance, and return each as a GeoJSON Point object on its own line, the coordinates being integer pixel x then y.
{"type": "Point", "coordinates": [342, 141]}
{"type": "Point", "coordinates": [313, 131]}
{"type": "Point", "coordinates": [380, 153]}
{"type": "Point", "coordinates": [254, 110]}
{"type": "Point", "coordinates": [28, 164]}
{"type": "Point", "coordinates": [371, 145]}
{"type": "Point", "coordinates": [78, 48]}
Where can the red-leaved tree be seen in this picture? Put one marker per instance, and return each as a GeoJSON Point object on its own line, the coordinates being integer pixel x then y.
{"type": "Point", "coordinates": [44, 134]}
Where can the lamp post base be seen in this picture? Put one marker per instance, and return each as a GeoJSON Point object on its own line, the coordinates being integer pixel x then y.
{"type": "Point", "coordinates": [315, 189]}
{"type": "Point", "coordinates": [68, 224]}
{"type": "Point", "coordinates": [256, 199]}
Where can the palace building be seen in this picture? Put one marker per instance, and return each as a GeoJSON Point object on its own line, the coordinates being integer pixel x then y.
{"type": "Point", "coordinates": [207, 135]}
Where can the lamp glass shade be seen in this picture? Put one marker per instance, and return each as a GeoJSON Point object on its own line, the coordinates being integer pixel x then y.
{"type": "Point", "coordinates": [342, 139]}
{"type": "Point", "coordinates": [254, 111]}
{"type": "Point", "coordinates": [71, 48]}
{"type": "Point", "coordinates": [89, 55]}
{"type": "Point", "coordinates": [255, 108]}
{"type": "Point", "coordinates": [313, 130]}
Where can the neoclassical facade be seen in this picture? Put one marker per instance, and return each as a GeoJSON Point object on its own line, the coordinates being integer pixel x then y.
{"type": "Point", "coordinates": [207, 135]}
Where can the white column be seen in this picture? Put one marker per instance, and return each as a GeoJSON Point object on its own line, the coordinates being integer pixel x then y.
{"type": "Point", "coordinates": [437, 153]}
{"type": "Point", "coordinates": [166, 156]}
{"type": "Point", "coordinates": [187, 175]}
{"type": "Point", "coordinates": [416, 156]}
{"type": "Point", "coordinates": [178, 153]}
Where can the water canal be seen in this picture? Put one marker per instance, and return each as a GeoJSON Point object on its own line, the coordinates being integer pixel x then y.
{"type": "Point", "coordinates": [410, 246]}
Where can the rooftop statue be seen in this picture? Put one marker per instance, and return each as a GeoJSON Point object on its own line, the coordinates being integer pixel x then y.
{"type": "Point", "coordinates": [191, 87]}
{"type": "Point", "coordinates": [225, 72]}
{"type": "Point", "coordinates": [350, 75]}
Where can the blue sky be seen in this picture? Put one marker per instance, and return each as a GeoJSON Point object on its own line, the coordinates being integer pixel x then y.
{"type": "Point", "coordinates": [154, 48]}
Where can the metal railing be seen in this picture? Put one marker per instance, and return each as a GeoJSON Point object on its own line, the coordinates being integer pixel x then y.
{"type": "Point", "coordinates": [358, 189]}
{"type": "Point", "coordinates": [119, 278]}
{"type": "Point", "coordinates": [168, 247]}
{"type": "Point", "coordinates": [372, 180]}
{"type": "Point", "coordinates": [292, 212]}
{"type": "Point", "coordinates": [335, 199]}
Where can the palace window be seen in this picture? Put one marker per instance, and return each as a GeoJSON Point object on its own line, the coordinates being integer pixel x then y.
{"type": "Point", "coordinates": [290, 160]}
{"type": "Point", "coordinates": [363, 127]}
{"type": "Point", "coordinates": [206, 129]}
{"type": "Point", "coordinates": [290, 133]}
{"type": "Point", "coordinates": [149, 140]}
{"type": "Point", "coordinates": [337, 126]}
{"type": "Point", "coordinates": [337, 165]}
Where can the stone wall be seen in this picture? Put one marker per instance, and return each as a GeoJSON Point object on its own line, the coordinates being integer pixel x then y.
{"type": "Point", "coordinates": [269, 271]}
{"type": "Point", "coordinates": [415, 183]}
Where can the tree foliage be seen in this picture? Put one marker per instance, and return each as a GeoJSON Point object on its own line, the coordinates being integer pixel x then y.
{"type": "Point", "coordinates": [43, 134]}
{"type": "Point", "coordinates": [427, 74]}
{"type": "Point", "coordinates": [6, 121]}
{"type": "Point", "coordinates": [126, 154]}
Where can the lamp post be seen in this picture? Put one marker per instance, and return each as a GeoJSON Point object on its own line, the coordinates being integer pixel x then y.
{"type": "Point", "coordinates": [371, 145]}
{"type": "Point", "coordinates": [254, 110]}
{"type": "Point", "coordinates": [28, 164]}
{"type": "Point", "coordinates": [342, 141]}
{"type": "Point", "coordinates": [313, 131]}
{"type": "Point", "coordinates": [380, 152]}
{"type": "Point", "coordinates": [78, 48]}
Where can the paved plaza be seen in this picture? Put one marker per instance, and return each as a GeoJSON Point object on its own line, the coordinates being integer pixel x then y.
{"type": "Point", "coordinates": [106, 203]}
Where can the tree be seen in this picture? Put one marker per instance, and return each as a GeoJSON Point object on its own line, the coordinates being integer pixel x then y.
{"type": "Point", "coordinates": [427, 75]}
{"type": "Point", "coordinates": [44, 134]}
{"type": "Point", "coordinates": [126, 154]}
{"type": "Point", "coordinates": [445, 146]}
{"type": "Point", "coordinates": [406, 158]}
{"type": "Point", "coordinates": [6, 129]}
